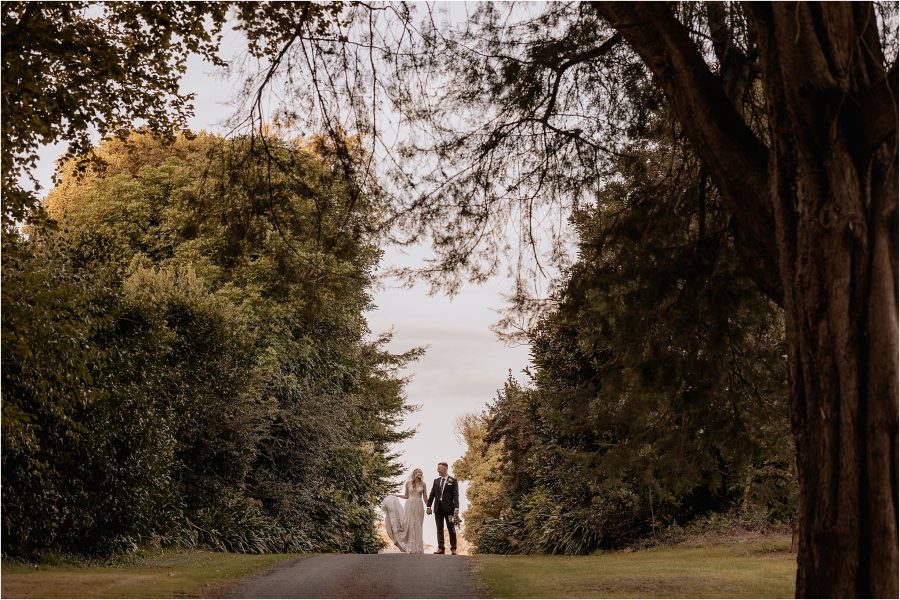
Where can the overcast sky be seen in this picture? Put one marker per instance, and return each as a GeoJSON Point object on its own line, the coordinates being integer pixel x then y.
{"type": "Point", "coordinates": [464, 364]}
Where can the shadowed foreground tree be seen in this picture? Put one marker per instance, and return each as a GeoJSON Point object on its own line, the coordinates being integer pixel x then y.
{"type": "Point", "coordinates": [820, 200]}
{"type": "Point", "coordinates": [71, 69]}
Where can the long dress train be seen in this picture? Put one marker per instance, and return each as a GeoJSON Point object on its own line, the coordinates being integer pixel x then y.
{"type": "Point", "coordinates": [403, 524]}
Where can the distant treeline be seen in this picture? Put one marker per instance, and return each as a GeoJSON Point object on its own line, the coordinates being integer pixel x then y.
{"type": "Point", "coordinates": [658, 392]}
{"type": "Point", "coordinates": [185, 357]}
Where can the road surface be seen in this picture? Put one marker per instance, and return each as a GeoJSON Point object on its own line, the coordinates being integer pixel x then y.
{"type": "Point", "coordinates": [363, 576]}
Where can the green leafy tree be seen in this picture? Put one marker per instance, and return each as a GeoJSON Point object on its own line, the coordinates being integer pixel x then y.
{"type": "Point", "coordinates": [71, 69]}
{"type": "Point", "coordinates": [237, 401]}
{"type": "Point", "coordinates": [762, 95]}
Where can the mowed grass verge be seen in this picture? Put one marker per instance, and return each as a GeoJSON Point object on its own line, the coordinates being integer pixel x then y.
{"type": "Point", "coordinates": [159, 574]}
{"type": "Point", "coordinates": [762, 568]}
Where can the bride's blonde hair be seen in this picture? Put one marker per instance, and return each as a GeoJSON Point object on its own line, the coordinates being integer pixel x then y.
{"type": "Point", "coordinates": [412, 477]}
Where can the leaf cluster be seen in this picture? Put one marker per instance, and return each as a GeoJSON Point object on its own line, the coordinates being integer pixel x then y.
{"type": "Point", "coordinates": [71, 70]}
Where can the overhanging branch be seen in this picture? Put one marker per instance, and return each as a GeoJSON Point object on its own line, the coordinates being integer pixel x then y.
{"type": "Point", "coordinates": [878, 112]}
{"type": "Point", "coordinates": [736, 159]}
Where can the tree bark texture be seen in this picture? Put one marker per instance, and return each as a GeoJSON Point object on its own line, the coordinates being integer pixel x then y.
{"type": "Point", "coordinates": [829, 190]}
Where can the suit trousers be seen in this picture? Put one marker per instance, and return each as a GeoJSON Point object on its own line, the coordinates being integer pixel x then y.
{"type": "Point", "coordinates": [439, 518]}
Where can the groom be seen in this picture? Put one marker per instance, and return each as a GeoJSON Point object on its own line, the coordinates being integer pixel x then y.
{"type": "Point", "coordinates": [445, 495]}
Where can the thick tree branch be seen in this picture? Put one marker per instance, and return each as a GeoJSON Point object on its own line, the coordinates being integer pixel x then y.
{"type": "Point", "coordinates": [808, 34]}
{"type": "Point", "coordinates": [878, 112]}
{"type": "Point", "coordinates": [736, 159]}
{"type": "Point", "coordinates": [735, 68]}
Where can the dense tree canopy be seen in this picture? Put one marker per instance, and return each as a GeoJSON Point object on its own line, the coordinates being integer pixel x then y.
{"type": "Point", "coordinates": [71, 70]}
{"type": "Point", "coordinates": [657, 393]}
{"type": "Point", "coordinates": [185, 357]}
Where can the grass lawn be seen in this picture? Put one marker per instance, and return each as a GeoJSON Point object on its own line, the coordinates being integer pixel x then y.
{"type": "Point", "coordinates": [761, 568]}
{"type": "Point", "coordinates": [156, 574]}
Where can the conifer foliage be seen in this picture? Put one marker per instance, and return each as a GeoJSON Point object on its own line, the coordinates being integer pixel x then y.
{"type": "Point", "coordinates": [658, 390]}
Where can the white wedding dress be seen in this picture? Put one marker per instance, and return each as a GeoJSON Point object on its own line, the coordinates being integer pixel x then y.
{"type": "Point", "coordinates": [403, 523]}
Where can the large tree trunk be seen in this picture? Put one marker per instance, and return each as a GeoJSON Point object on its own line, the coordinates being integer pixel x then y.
{"type": "Point", "coordinates": [835, 208]}
{"type": "Point", "coordinates": [840, 309]}
{"type": "Point", "coordinates": [831, 190]}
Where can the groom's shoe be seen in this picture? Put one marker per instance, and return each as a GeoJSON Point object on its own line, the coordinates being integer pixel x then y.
{"type": "Point", "coordinates": [439, 551]}
{"type": "Point", "coordinates": [453, 552]}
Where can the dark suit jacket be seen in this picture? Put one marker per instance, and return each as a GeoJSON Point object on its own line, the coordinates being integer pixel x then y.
{"type": "Point", "coordinates": [449, 500]}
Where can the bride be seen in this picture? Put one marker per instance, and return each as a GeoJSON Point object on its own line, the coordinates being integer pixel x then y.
{"type": "Point", "coordinates": [403, 524]}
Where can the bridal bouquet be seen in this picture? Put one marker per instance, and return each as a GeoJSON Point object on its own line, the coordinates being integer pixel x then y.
{"type": "Point", "coordinates": [457, 521]}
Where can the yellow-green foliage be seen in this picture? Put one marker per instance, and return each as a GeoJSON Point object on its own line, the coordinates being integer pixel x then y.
{"type": "Point", "coordinates": [481, 466]}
